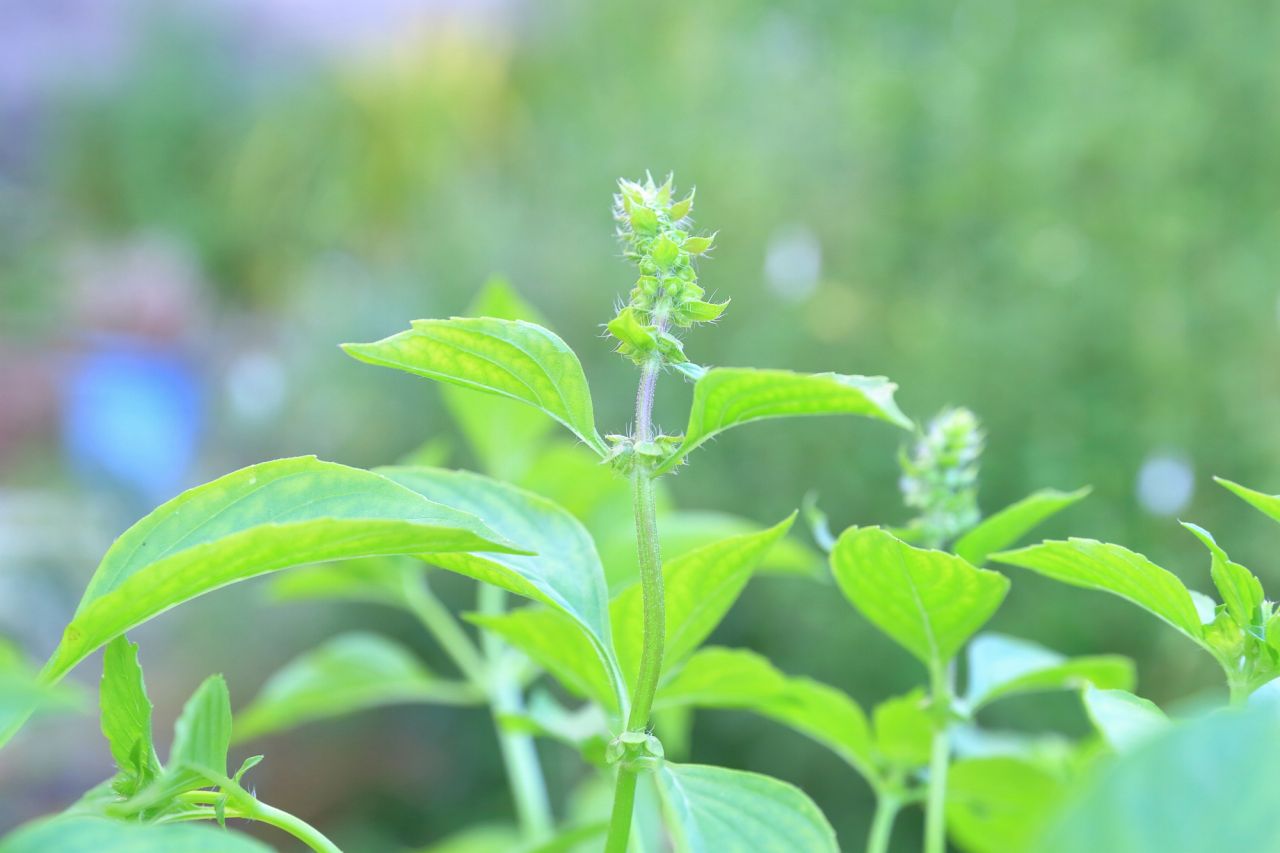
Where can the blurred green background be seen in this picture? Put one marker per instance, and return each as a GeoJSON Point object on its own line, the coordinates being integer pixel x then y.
{"type": "Point", "coordinates": [1063, 216]}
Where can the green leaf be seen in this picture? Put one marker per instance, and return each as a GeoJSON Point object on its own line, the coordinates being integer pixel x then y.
{"type": "Point", "coordinates": [738, 679]}
{"type": "Point", "coordinates": [1122, 718]}
{"type": "Point", "coordinates": [701, 586]}
{"type": "Point", "coordinates": [505, 435]}
{"type": "Point", "coordinates": [998, 805]}
{"type": "Point", "coordinates": [349, 673]}
{"type": "Point", "coordinates": [1206, 785]}
{"type": "Point", "coordinates": [1013, 522]}
{"type": "Point", "coordinates": [1241, 591]}
{"type": "Point", "coordinates": [1110, 568]}
{"type": "Point", "coordinates": [929, 602]}
{"type": "Point", "coordinates": [202, 734]}
{"type": "Point", "coordinates": [126, 717]}
{"type": "Point", "coordinates": [81, 834]}
{"type": "Point", "coordinates": [1001, 666]}
{"type": "Point", "coordinates": [726, 397]}
{"type": "Point", "coordinates": [717, 810]}
{"type": "Point", "coordinates": [904, 728]}
{"type": "Point", "coordinates": [563, 571]}
{"type": "Point", "coordinates": [260, 519]}
{"type": "Point", "coordinates": [1268, 505]}
{"type": "Point", "coordinates": [23, 695]}
{"type": "Point", "coordinates": [510, 358]}
{"type": "Point", "coordinates": [557, 644]}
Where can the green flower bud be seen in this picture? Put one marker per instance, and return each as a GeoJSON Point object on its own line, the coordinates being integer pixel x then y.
{"type": "Point", "coordinates": [664, 252]}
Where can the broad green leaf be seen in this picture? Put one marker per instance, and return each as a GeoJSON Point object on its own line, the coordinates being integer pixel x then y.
{"type": "Point", "coordinates": [1001, 666]}
{"type": "Point", "coordinates": [735, 678]}
{"type": "Point", "coordinates": [1110, 568]}
{"type": "Point", "coordinates": [1266, 504]}
{"type": "Point", "coordinates": [1241, 591]}
{"type": "Point", "coordinates": [1205, 785]}
{"type": "Point", "coordinates": [1122, 718]}
{"type": "Point", "coordinates": [717, 810]}
{"type": "Point", "coordinates": [727, 396]}
{"type": "Point", "coordinates": [701, 586]}
{"type": "Point", "coordinates": [557, 644]}
{"type": "Point", "coordinates": [904, 729]}
{"type": "Point", "coordinates": [929, 602]}
{"type": "Point", "coordinates": [510, 358]}
{"type": "Point", "coordinates": [82, 834]}
{"type": "Point", "coordinates": [505, 436]}
{"type": "Point", "coordinates": [126, 717]}
{"type": "Point", "coordinates": [349, 673]}
{"type": "Point", "coordinates": [260, 519]}
{"type": "Point", "coordinates": [563, 571]}
{"type": "Point", "coordinates": [374, 580]}
{"type": "Point", "coordinates": [999, 805]}
{"type": "Point", "coordinates": [1013, 522]}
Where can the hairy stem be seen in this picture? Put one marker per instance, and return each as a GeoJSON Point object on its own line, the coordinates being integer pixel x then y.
{"type": "Point", "coordinates": [935, 828]}
{"type": "Point", "coordinates": [655, 617]}
{"type": "Point", "coordinates": [887, 806]}
{"type": "Point", "coordinates": [519, 753]}
{"type": "Point", "coordinates": [249, 808]}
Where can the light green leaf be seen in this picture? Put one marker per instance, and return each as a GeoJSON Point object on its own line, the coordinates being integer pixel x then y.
{"type": "Point", "coordinates": [728, 396]}
{"type": "Point", "coordinates": [701, 586]}
{"type": "Point", "coordinates": [1205, 785]}
{"type": "Point", "coordinates": [1241, 591]}
{"type": "Point", "coordinates": [202, 734]}
{"type": "Point", "coordinates": [1268, 505]}
{"type": "Point", "coordinates": [557, 644]}
{"type": "Point", "coordinates": [1013, 522]}
{"type": "Point", "coordinates": [126, 717]}
{"type": "Point", "coordinates": [349, 673]}
{"type": "Point", "coordinates": [717, 810]}
{"type": "Point", "coordinates": [999, 805]}
{"type": "Point", "coordinates": [735, 678]}
{"type": "Point", "coordinates": [563, 571]}
{"type": "Point", "coordinates": [1110, 568]}
{"type": "Point", "coordinates": [1001, 666]}
{"type": "Point", "coordinates": [1122, 718]}
{"type": "Point", "coordinates": [81, 834]}
{"type": "Point", "coordinates": [260, 519]}
{"type": "Point", "coordinates": [904, 728]}
{"type": "Point", "coordinates": [510, 358]}
{"type": "Point", "coordinates": [929, 602]}
{"type": "Point", "coordinates": [505, 435]}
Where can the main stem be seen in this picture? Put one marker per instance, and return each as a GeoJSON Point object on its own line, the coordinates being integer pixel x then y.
{"type": "Point", "coordinates": [935, 827]}
{"type": "Point", "coordinates": [519, 753]}
{"type": "Point", "coordinates": [887, 806]}
{"type": "Point", "coordinates": [655, 617]}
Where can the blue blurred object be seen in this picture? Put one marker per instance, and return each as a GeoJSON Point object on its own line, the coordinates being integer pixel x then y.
{"type": "Point", "coordinates": [132, 417]}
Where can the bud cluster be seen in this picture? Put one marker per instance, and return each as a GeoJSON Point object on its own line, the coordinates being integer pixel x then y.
{"type": "Point", "coordinates": [637, 751]}
{"type": "Point", "coordinates": [940, 477]}
{"type": "Point", "coordinates": [655, 230]}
